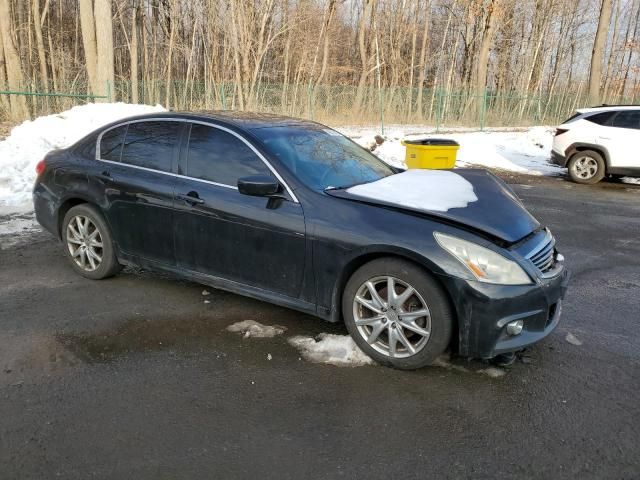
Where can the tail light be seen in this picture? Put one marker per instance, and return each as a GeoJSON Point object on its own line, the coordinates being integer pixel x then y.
{"type": "Point", "coordinates": [40, 166]}
{"type": "Point", "coordinates": [560, 131]}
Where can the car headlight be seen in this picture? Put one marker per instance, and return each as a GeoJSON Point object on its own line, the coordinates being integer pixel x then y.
{"type": "Point", "coordinates": [486, 265]}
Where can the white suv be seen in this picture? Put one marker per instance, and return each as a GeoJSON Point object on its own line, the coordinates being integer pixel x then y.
{"type": "Point", "coordinates": [599, 141]}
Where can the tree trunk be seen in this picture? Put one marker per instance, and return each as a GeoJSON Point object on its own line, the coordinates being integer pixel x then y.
{"type": "Point", "coordinates": [595, 74]}
{"type": "Point", "coordinates": [44, 76]}
{"type": "Point", "coordinates": [133, 52]}
{"type": "Point", "coordinates": [485, 47]}
{"type": "Point", "coordinates": [104, 47]}
{"type": "Point", "coordinates": [87, 24]}
{"type": "Point", "coordinates": [15, 78]}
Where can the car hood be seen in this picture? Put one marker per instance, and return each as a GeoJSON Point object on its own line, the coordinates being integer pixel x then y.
{"type": "Point", "coordinates": [472, 197]}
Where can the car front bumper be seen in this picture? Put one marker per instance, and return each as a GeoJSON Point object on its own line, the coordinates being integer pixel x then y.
{"type": "Point", "coordinates": [484, 310]}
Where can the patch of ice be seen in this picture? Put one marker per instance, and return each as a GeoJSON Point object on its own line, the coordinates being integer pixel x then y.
{"type": "Point", "coordinates": [251, 328]}
{"type": "Point", "coordinates": [492, 372]}
{"type": "Point", "coordinates": [631, 180]}
{"type": "Point", "coordinates": [572, 339]}
{"type": "Point", "coordinates": [30, 141]}
{"type": "Point", "coordinates": [339, 350]}
{"type": "Point", "coordinates": [431, 190]}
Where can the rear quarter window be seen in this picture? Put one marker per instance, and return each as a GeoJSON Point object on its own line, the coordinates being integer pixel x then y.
{"type": "Point", "coordinates": [111, 143]}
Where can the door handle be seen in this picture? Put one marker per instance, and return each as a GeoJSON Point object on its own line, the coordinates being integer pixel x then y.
{"type": "Point", "coordinates": [105, 176]}
{"type": "Point", "coordinates": [604, 138]}
{"type": "Point", "coordinates": [191, 198]}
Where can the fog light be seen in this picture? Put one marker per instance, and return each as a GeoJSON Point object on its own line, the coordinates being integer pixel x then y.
{"type": "Point", "coordinates": [515, 327]}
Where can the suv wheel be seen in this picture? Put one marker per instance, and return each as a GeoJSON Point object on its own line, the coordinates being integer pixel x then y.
{"type": "Point", "coordinates": [586, 167]}
{"type": "Point", "coordinates": [88, 244]}
{"type": "Point", "coordinates": [397, 314]}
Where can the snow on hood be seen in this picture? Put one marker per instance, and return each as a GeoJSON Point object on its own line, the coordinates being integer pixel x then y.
{"type": "Point", "coordinates": [427, 190]}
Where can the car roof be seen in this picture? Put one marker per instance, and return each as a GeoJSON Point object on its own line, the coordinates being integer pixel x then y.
{"type": "Point", "coordinates": [236, 118]}
{"type": "Point", "coordinates": [607, 108]}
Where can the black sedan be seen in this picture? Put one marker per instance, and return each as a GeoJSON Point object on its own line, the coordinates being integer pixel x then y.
{"type": "Point", "coordinates": [294, 213]}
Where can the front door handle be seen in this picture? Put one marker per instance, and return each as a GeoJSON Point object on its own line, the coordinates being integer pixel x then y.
{"type": "Point", "coordinates": [191, 198]}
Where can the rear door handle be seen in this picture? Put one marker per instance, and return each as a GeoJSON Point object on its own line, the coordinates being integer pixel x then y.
{"type": "Point", "coordinates": [191, 198]}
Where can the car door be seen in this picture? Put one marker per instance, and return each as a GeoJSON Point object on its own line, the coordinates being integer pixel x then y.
{"type": "Point", "coordinates": [255, 241]}
{"type": "Point", "coordinates": [137, 161]}
{"type": "Point", "coordinates": [621, 137]}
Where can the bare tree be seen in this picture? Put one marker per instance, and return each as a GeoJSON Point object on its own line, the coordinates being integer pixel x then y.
{"type": "Point", "coordinates": [595, 74]}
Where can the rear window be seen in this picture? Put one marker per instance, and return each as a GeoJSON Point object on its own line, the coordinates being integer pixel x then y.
{"type": "Point", "coordinates": [601, 118]}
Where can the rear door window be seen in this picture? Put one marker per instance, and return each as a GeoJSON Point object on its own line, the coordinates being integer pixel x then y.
{"type": "Point", "coordinates": [602, 118]}
{"type": "Point", "coordinates": [218, 156]}
{"type": "Point", "coordinates": [111, 143]}
{"type": "Point", "coordinates": [627, 119]}
{"type": "Point", "coordinates": [151, 144]}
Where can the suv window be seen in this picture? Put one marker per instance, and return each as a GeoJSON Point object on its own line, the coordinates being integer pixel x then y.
{"type": "Point", "coordinates": [151, 144]}
{"type": "Point", "coordinates": [601, 118]}
{"type": "Point", "coordinates": [111, 143]}
{"type": "Point", "coordinates": [218, 156]}
{"type": "Point", "coordinates": [627, 119]}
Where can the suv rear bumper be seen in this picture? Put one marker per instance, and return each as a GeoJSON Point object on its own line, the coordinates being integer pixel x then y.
{"type": "Point", "coordinates": [558, 159]}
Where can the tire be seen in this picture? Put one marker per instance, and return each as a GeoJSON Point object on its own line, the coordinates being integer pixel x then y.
{"type": "Point", "coordinates": [586, 167]}
{"type": "Point", "coordinates": [363, 322]}
{"type": "Point", "coordinates": [83, 246]}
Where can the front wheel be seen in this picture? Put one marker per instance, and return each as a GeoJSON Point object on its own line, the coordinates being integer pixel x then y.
{"type": "Point", "coordinates": [88, 244]}
{"type": "Point", "coordinates": [397, 313]}
{"type": "Point", "coordinates": [586, 167]}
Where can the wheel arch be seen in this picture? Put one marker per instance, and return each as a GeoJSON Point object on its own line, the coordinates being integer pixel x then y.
{"type": "Point", "coordinates": [581, 147]}
{"type": "Point", "coordinates": [67, 204]}
{"type": "Point", "coordinates": [362, 258]}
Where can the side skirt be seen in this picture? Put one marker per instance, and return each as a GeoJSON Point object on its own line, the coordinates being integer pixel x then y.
{"type": "Point", "coordinates": [225, 284]}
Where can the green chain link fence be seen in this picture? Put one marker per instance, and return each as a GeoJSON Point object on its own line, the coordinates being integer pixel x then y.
{"type": "Point", "coordinates": [332, 104]}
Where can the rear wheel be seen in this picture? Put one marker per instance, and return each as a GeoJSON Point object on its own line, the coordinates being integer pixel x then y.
{"type": "Point", "coordinates": [88, 243]}
{"type": "Point", "coordinates": [586, 167]}
{"type": "Point", "coordinates": [397, 313]}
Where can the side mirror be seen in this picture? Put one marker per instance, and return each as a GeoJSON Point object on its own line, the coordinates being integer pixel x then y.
{"type": "Point", "coordinates": [258, 186]}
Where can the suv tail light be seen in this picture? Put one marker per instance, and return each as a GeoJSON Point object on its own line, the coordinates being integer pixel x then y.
{"type": "Point", "coordinates": [560, 131]}
{"type": "Point", "coordinates": [40, 166]}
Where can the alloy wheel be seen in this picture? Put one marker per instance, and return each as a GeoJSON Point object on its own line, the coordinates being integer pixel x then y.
{"type": "Point", "coordinates": [392, 316]}
{"type": "Point", "coordinates": [585, 167]}
{"type": "Point", "coordinates": [84, 242]}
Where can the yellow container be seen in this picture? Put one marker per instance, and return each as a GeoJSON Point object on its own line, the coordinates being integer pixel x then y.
{"type": "Point", "coordinates": [436, 153]}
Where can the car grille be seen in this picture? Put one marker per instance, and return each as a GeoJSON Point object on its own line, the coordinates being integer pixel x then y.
{"type": "Point", "coordinates": [543, 256]}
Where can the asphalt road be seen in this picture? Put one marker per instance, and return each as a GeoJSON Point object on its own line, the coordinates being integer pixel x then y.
{"type": "Point", "coordinates": [136, 377]}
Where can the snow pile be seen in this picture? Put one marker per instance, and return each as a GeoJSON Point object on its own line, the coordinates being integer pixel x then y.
{"type": "Point", "coordinates": [339, 350]}
{"type": "Point", "coordinates": [29, 142]}
{"type": "Point", "coordinates": [251, 328]}
{"type": "Point", "coordinates": [432, 190]}
{"type": "Point", "coordinates": [523, 152]}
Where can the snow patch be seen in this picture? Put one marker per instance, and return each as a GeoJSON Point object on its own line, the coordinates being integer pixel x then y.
{"type": "Point", "coordinates": [517, 151]}
{"type": "Point", "coordinates": [14, 229]}
{"type": "Point", "coordinates": [30, 141]}
{"type": "Point", "coordinates": [492, 372]}
{"type": "Point", "coordinates": [430, 190]}
{"type": "Point", "coordinates": [572, 339]}
{"type": "Point", "coordinates": [339, 350]}
{"type": "Point", "coordinates": [251, 328]}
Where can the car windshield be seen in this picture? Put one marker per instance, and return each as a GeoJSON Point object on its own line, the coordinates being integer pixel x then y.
{"type": "Point", "coordinates": [322, 158]}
